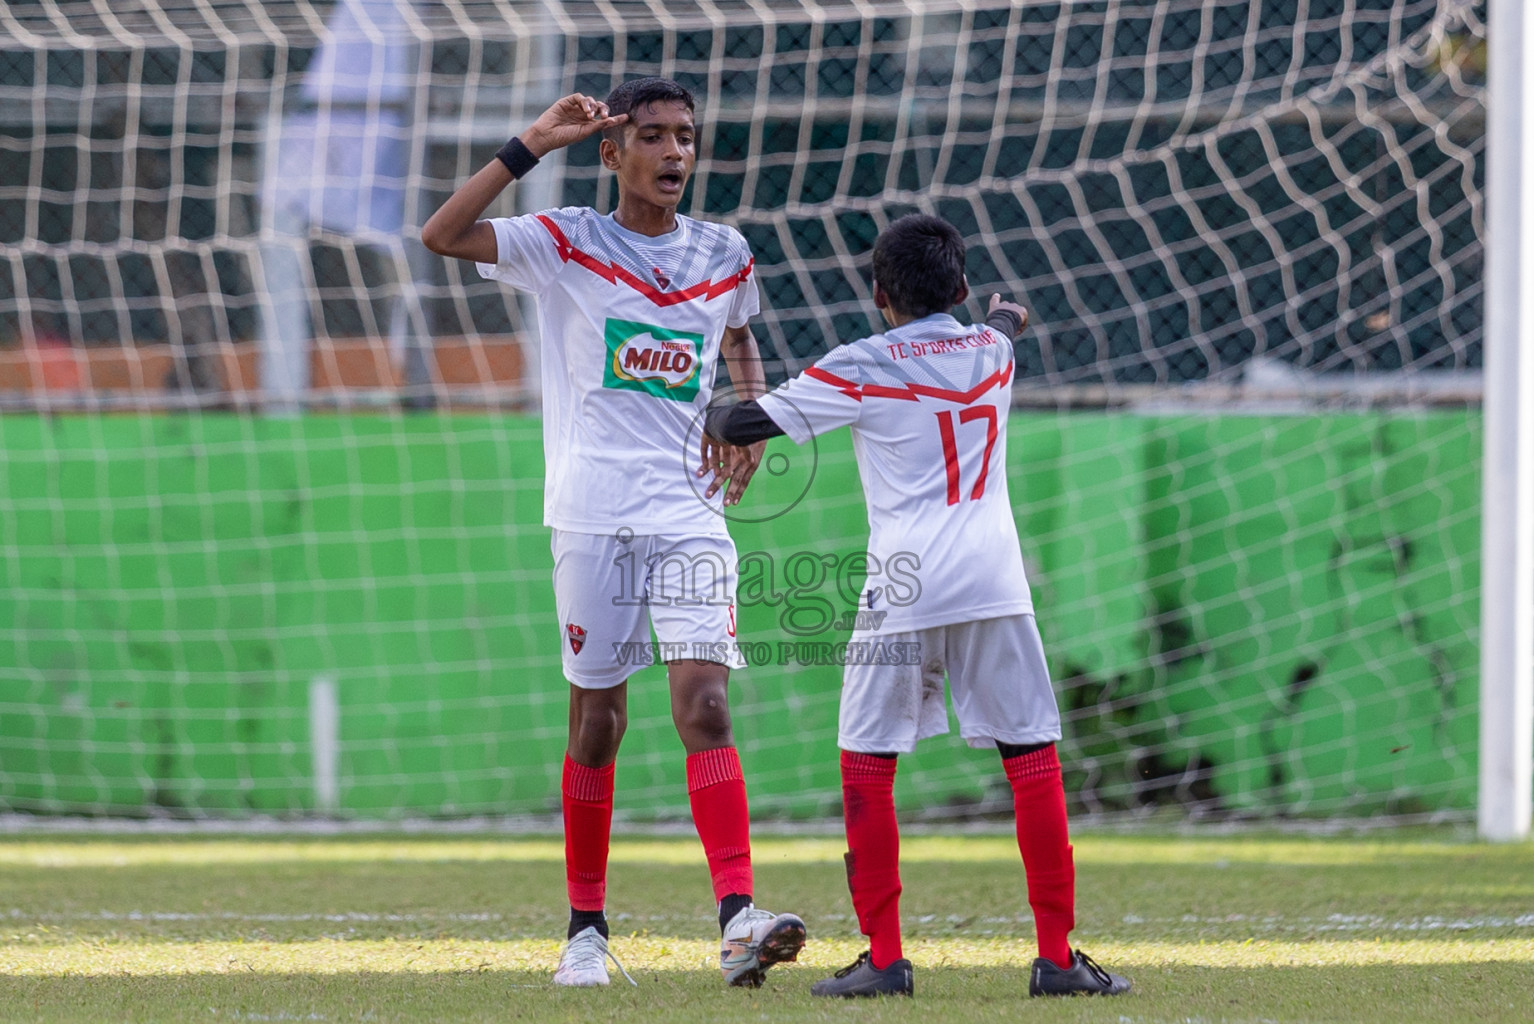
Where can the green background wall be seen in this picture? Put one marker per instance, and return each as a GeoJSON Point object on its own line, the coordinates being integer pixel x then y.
{"type": "Point", "coordinates": [1251, 614]}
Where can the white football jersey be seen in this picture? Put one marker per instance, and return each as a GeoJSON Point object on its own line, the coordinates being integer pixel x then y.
{"type": "Point", "coordinates": [631, 329]}
{"type": "Point", "coordinates": [927, 403]}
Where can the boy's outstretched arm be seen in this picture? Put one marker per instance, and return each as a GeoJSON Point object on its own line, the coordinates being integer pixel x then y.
{"type": "Point", "coordinates": [740, 424]}
{"type": "Point", "coordinates": [456, 230]}
{"type": "Point", "coordinates": [1007, 317]}
{"type": "Point", "coordinates": [748, 422]}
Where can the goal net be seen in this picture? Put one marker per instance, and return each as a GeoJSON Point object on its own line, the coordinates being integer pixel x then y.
{"type": "Point", "coordinates": [270, 524]}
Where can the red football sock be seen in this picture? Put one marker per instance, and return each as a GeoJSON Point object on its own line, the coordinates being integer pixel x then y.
{"type": "Point", "coordinates": [1038, 797]}
{"type": "Point", "coordinates": [588, 805]}
{"type": "Point", "coordinates": [873, 851]}
{"type": "Point", "coordinates": [717, 790]}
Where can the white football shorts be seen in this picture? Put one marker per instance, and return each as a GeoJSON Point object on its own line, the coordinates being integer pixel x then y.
{"type": "Point", "coordinates": [609, 591]}
{"type": "Point", "coordinates": [995, 670]}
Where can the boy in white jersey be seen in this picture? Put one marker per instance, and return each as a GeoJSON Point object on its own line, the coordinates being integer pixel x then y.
{"type": "Point", "coordinates": [927, 403]}
{"type": "Point", "coordinates": [636, 309]}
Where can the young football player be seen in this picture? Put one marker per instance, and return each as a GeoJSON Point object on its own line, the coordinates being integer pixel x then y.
{"type": "Point", "coordinates": [635, 310]}
{"type": "Point", "coordinates": [927, 402]}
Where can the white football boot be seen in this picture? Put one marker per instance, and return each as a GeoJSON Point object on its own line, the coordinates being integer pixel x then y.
{"type": "Point", "coordinates": [583, 963]}
{"type": "Point", "coordinates": [754, 940]}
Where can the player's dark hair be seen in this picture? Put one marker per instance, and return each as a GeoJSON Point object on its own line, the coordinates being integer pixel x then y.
{"type": "Point", "coordinates": [919, 262]}
{"type": "Point", "coordinates": [639, 92]}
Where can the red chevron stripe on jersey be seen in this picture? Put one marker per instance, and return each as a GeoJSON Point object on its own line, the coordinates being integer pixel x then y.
{"type": "Point", "coordinates": [911, 392]}
{"type": "Point", "coordinates": [615, 274]}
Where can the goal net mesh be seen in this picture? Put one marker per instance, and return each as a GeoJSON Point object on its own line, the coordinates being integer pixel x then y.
{"type": "Point", "coordinates": [271, 520]}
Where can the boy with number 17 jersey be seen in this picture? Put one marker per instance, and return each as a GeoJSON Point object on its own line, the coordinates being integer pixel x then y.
{"type": "Point", "coordinates": [927, 402]}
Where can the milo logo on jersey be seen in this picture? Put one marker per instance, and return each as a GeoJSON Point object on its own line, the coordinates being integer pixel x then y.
{"type": "Point", "coordinates": [655, 360]}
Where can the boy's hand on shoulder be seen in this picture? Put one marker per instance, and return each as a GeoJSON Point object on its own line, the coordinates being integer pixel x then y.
{"type": "Point", "coordinates": [1006, 316]}
{"type": "Point", "coordinates": [571, 119]}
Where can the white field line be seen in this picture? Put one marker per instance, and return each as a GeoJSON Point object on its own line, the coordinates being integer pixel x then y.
{"type": "Point", "coordinates": [1454, 825]}
{"type": "Point", "coordinates": [1276, 923]}
{"type": "Point", "coordinates": [672, 953]}
{"type": "Point", "coordinates": [1346, 923]}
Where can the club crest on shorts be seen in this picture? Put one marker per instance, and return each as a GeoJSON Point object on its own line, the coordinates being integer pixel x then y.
{"type": "Point", "coordinates": [577, 637]}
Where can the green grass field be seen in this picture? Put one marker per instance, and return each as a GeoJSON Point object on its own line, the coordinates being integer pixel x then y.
{"type": "Point", "coordinates": [1394, 927]}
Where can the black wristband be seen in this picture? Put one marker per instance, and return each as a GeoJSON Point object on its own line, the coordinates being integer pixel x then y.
{"type": "Point", "coordinates": [517, 157]}
{"type": "Point", "coordinates": [743, 423]}
{"type": "Point", "coordinates": [1006, 321]}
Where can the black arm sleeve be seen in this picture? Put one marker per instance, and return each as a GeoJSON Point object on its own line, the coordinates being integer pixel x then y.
{"type": "Point", "coordinates": [744, 423]}
{"type": "Point", "coordinates": [1007, 322]}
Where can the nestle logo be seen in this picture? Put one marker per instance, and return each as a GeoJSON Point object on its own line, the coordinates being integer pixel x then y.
{"type": "Point", "coordinates": [655, 360]}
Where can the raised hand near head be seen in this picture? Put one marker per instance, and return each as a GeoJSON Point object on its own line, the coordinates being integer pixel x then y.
{"type": "Point", "coordinates": [571, 119]}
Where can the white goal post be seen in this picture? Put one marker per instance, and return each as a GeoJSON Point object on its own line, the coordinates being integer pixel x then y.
{"type": "Point", "coordinates": [1507, 580]}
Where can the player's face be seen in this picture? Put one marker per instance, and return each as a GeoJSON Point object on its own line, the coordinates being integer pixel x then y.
{"type": "Point", "coordinates": [658, 154]}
